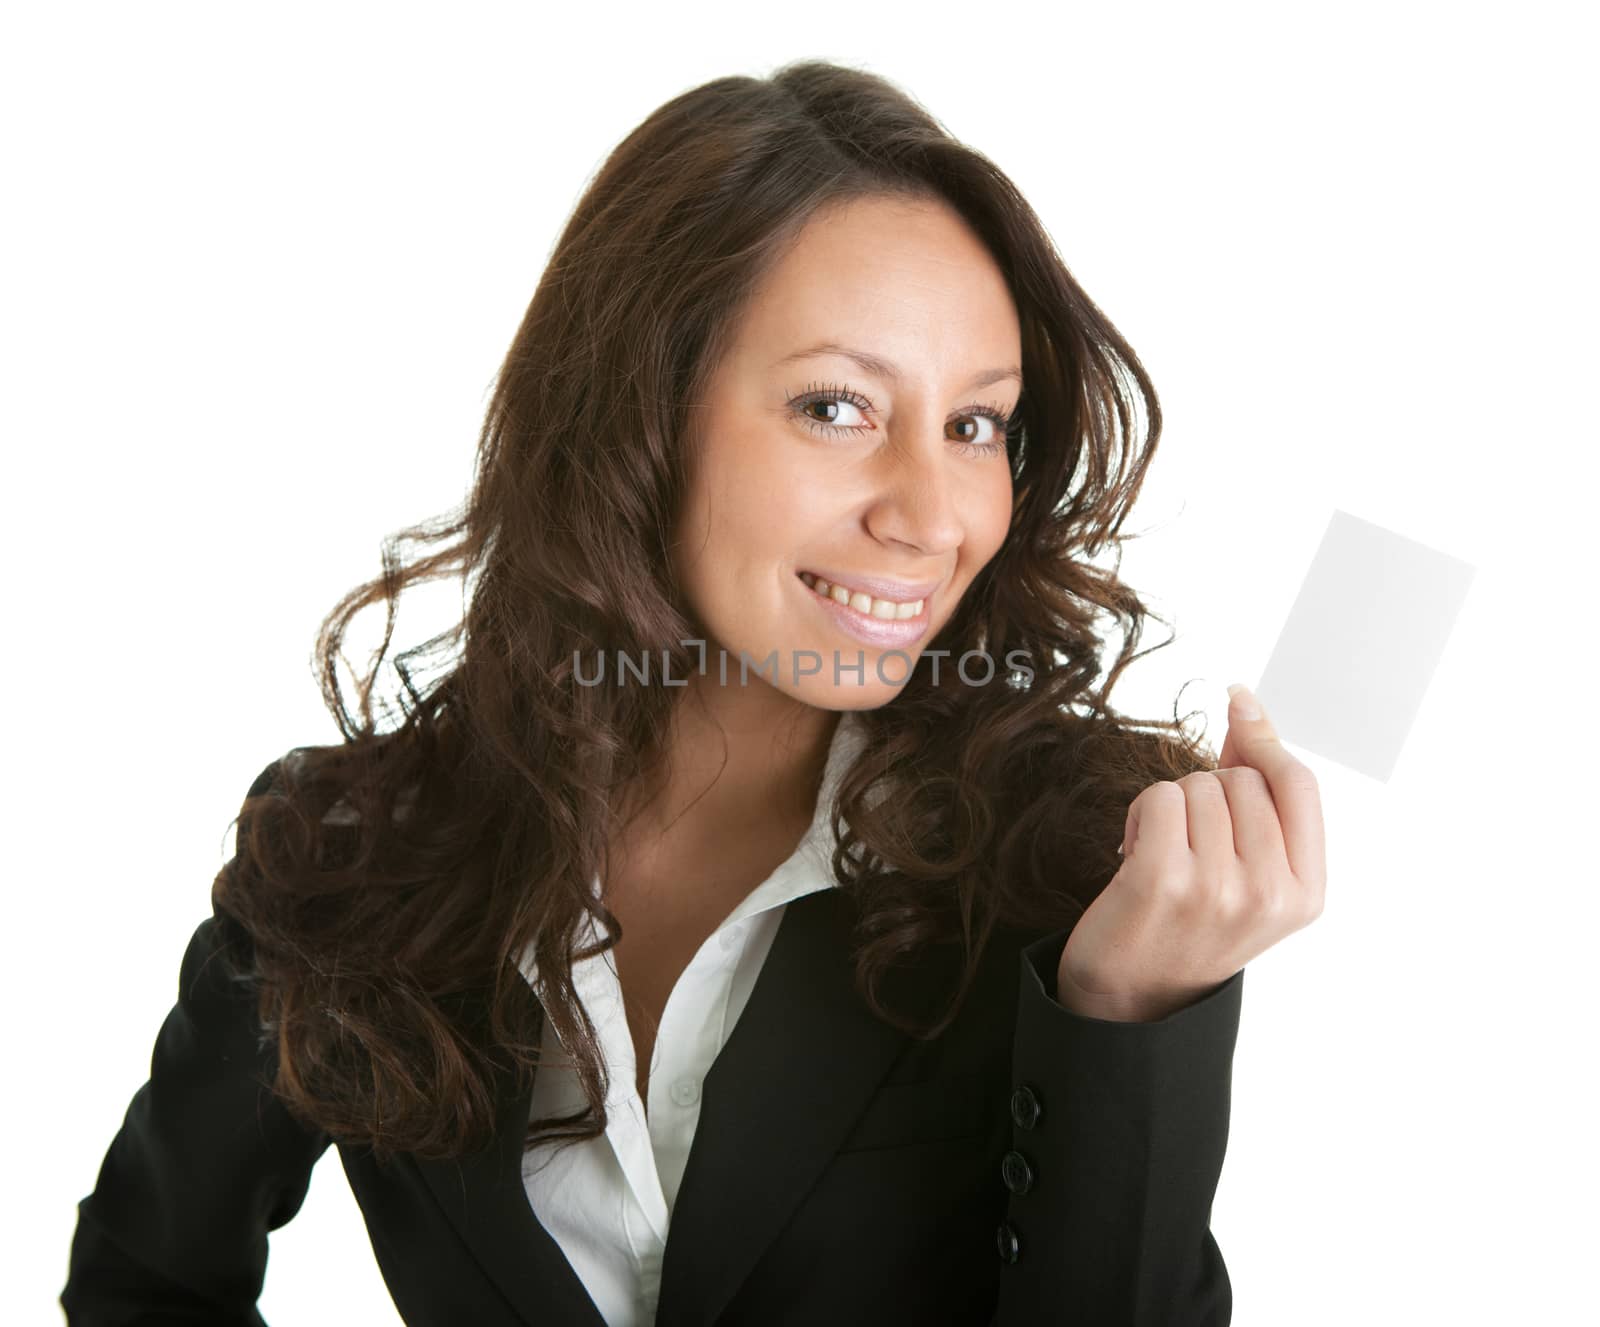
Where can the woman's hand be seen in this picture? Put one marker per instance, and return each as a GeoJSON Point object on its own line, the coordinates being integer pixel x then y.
{"type": "Point", "coordinates": [1217, 868]}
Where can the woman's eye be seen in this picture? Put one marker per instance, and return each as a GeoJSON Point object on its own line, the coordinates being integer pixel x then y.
{"type": "Point", "coordinates": [833, 411]}
{"type": "Point", "coordinates": [975, 419]}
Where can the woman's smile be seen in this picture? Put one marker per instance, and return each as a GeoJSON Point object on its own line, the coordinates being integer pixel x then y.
{"type": "Point", "coordinates": [872, 621]}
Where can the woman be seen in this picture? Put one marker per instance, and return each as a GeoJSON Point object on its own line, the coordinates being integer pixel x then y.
{"type": "Point", "coordinates": [768, 806]}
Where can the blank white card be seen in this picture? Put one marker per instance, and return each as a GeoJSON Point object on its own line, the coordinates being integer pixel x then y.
{"type": "Point", "coordinates": [1361, 644]}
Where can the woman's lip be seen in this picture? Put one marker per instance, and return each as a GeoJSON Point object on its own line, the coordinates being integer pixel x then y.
{"type": "Point", "coordinates": [899, 591]}
{"type": "Point", "coordinates": [873, 630]}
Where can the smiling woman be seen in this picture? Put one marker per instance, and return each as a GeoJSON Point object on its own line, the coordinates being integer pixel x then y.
{"type": "Point", "coordinates": [769, 963]}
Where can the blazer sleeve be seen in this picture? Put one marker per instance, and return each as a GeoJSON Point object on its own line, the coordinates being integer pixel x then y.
{"type": "Point", "coordinates": [1118, 1131]}
{"type": "Point", "coordinates": [206, 1163]}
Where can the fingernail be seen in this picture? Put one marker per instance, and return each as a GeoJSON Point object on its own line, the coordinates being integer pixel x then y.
{"type": "Point", "coordinates": [1243, 701]}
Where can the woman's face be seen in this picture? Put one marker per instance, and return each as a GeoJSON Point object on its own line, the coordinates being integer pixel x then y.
{"type": "Point", "coordinates": [888, 480]}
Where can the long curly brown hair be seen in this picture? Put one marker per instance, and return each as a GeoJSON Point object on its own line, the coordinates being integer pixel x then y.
{"type": "Point", "coordinates": [389, 885]}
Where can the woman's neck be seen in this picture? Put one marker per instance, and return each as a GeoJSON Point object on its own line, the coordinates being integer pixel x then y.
{"type": "Point", "coordinates": [739, 775]}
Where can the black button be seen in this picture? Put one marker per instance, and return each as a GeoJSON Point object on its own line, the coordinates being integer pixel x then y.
{"type": "Point", "coordinates": [1016, 1172]}
{"type": "Point", "coordinates": [1005, 1239]}
{"type": "Point", "coordinates": [1025, 1107]}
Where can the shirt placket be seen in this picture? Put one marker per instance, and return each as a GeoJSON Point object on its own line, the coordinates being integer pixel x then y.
{"type": "Point", "coordinates": [601, 992]}
{"type": "Point", "coordinates": [686, 1046]}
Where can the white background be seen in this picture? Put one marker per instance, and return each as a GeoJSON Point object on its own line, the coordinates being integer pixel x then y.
{"type": "Point", "coordinates": [260, 266]}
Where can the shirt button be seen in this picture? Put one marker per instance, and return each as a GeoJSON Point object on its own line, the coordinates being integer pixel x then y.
{"type": "Point", "coordinates": [1005, 1240]}
{"type": "Point", "coordinates": [732, 935]}
{"type": "Point", "coordinates": [1016, 1172]}
{"type": "Point", "coordinates": [1025, 1107]}
{"type": "Point", "coordinates": [686, 1091]}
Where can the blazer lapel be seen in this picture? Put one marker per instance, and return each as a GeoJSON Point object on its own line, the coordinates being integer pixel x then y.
{"type": "Point", "coordinates": [781, 1096]}
{"type": "Point", "coordinates": [484, 1197]}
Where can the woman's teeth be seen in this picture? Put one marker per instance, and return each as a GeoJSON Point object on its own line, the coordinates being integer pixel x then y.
{"type": "Point", "coordinates": [884, 609]}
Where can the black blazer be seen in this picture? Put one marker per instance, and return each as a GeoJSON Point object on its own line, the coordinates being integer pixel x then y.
{"type": "Point", "coordinates": [1028, 1166]}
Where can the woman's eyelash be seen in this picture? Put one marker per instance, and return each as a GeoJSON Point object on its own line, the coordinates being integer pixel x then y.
{"type": "Point", "coordinates": [814, 394]}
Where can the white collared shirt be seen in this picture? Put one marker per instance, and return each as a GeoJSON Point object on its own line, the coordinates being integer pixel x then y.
{"type": "Point", "coordinates": [607, 1202]}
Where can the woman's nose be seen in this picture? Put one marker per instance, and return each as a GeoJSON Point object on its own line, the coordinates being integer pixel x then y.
{"type": "Point", "coordinates": [919, 501]}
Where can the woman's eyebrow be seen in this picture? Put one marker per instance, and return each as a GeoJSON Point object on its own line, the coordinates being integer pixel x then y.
{"type": "Point", "coordinates": [882, 368]}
